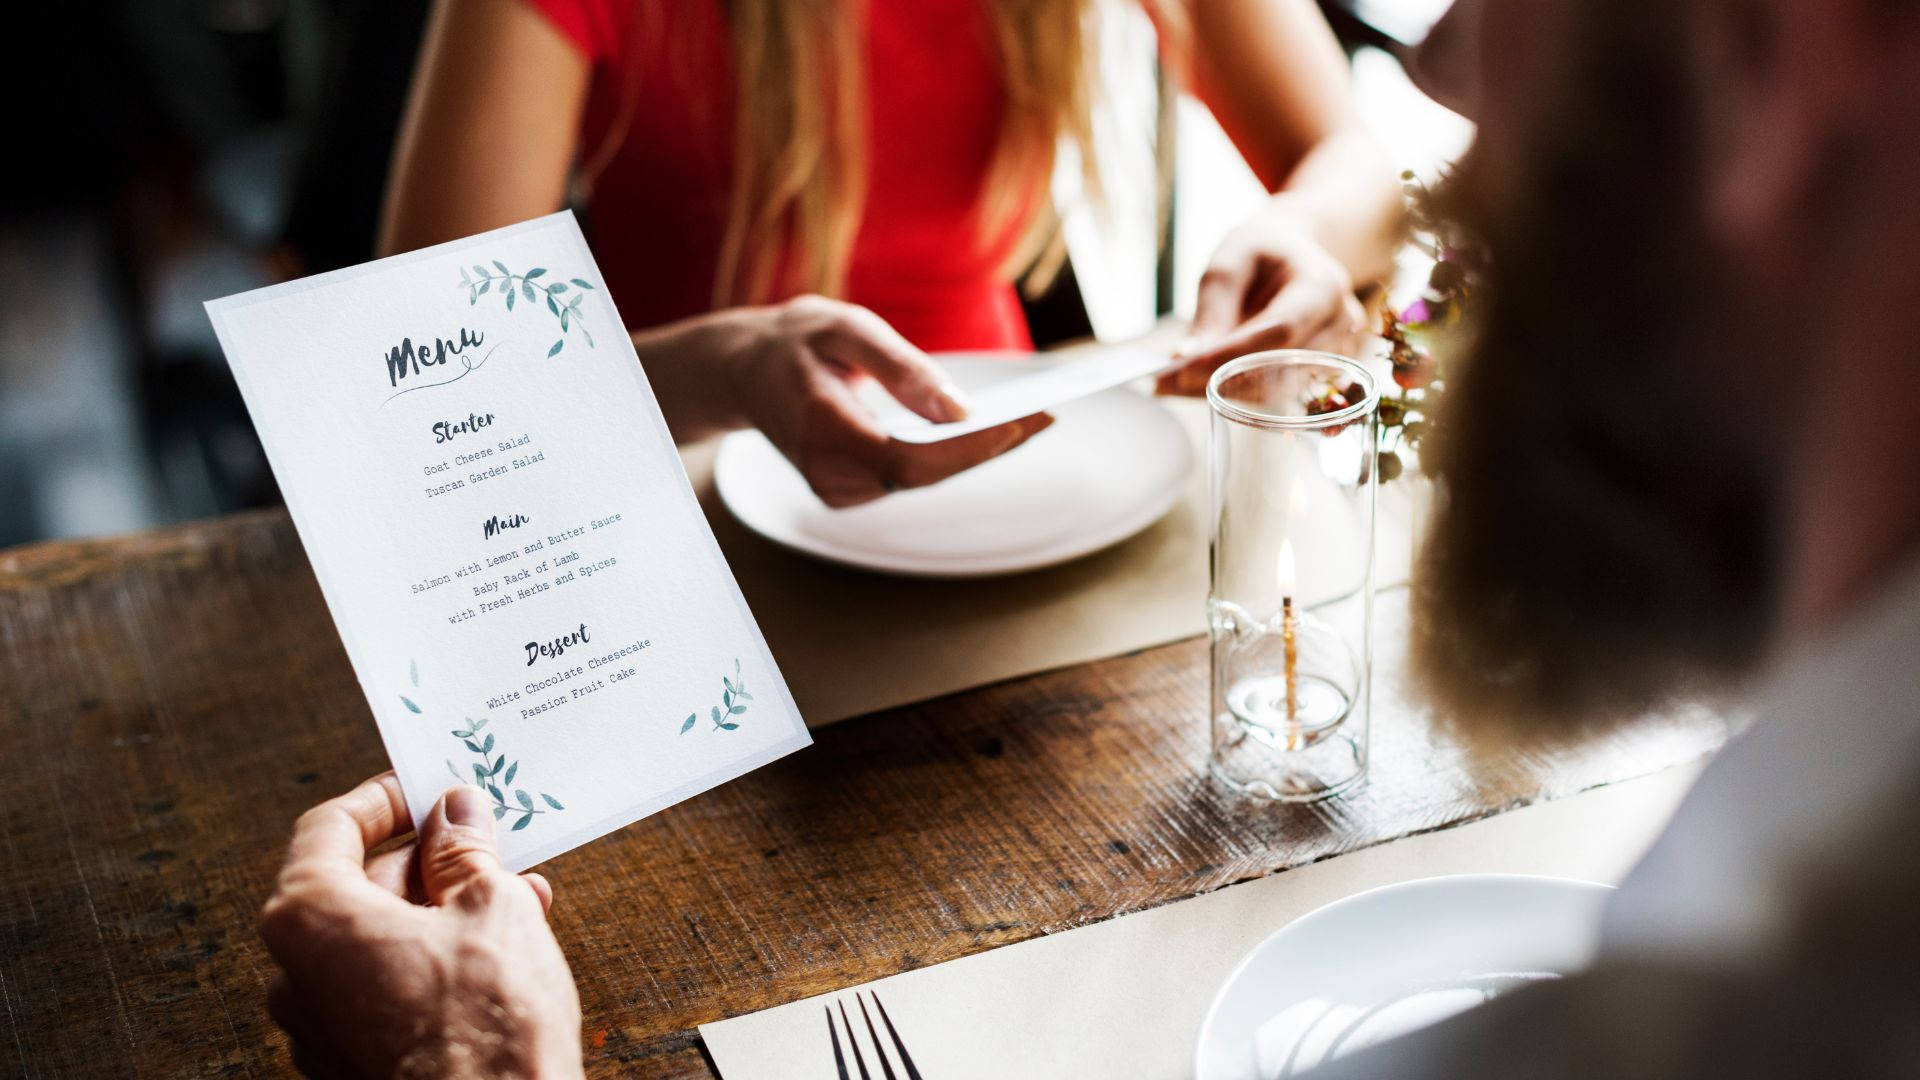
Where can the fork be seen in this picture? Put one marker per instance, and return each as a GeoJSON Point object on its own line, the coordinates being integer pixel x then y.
{"type": "Point", "coordinates": [873, 1036]}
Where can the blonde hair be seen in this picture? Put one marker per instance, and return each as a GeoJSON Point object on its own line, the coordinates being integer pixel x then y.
{"type": "Point", "coordinates": [800, 135]}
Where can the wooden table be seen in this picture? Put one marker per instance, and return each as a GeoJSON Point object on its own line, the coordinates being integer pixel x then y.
{"type": "Point", "coordinates": [169, 702]}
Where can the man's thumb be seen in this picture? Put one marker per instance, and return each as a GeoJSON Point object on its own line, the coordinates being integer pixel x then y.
{"type": "Point", "coordinates": [456, 846]}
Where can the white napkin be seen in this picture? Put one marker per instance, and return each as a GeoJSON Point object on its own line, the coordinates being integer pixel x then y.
{"type": "Point", "coordinates": [1031, 387]}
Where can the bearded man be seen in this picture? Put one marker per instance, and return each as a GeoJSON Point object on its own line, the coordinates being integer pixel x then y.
{"type": "Point", "coordinates": [1678, 464]}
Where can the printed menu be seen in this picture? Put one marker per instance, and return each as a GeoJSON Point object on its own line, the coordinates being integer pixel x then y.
{"type": "Point", "coordinates": [498, 518]}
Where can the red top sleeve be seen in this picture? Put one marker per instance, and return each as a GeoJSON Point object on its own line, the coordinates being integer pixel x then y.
{"type": "Point", "coordinates": [587, 23]}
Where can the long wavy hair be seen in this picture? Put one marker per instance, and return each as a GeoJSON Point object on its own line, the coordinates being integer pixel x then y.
{"type": "Point", "coordinates": [800, 134]}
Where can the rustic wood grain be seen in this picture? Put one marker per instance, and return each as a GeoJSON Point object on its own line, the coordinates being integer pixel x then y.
{"type": "Point", "coordinates": [169, 702]}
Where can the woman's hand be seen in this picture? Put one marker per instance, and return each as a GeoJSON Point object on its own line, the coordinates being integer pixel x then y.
{"type": "Point", "coordinates": [1270, 285]}
{"type": "Point", "coordinates": [791, 370]}
{"type": "Point", "coordinates": [460, 979]}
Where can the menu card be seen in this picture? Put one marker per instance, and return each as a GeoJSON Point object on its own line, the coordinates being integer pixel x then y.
{"type": "Point", "coordinates": [505, 537]}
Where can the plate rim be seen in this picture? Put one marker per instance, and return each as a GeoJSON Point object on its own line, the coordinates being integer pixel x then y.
{"type": "Point", "coordinates": [1124, 529]}
{"type": "Point", "coordinates": [1246, 960]}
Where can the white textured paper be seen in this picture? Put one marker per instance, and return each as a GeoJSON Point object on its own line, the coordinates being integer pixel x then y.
{"type": "Point", "coordinates": [509, 547]}
{"type": "Point", "coordinates": [1039, 386]}
{"type": "Point", "coordinates": [1126, 997]}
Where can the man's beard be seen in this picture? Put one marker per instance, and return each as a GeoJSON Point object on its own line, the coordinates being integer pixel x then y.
{"type": "Point", "coordinates": [1602, 543]}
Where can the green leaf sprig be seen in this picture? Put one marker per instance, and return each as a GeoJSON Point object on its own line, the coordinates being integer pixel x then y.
{"type": "Point", "coordinates": [413, 676]}
{"type": "Point", "coordinates": [514, 286]}
{"type": "Point", "coordinates": [733, 693]}
{"type": "Point", "coordinates": [496, 773]}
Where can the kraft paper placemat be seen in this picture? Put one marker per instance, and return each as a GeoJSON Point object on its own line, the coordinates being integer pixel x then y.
{"type": "Point", "coordinates": [1126, 997]}
{"type": "Point", "coordinates": [852, 641]}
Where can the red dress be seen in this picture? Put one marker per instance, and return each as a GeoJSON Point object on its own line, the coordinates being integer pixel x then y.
{"type": "Point", "coordinates": [659, 208]}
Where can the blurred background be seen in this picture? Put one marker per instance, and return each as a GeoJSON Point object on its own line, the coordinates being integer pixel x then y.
{"type": "Point", "coordinates": [171, 151]}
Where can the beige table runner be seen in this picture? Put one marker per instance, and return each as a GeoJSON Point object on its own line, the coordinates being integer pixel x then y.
{"type": "Point", "coordinates": [851, 642]}
{"type": "Point", "coordinates": [1125, 998]}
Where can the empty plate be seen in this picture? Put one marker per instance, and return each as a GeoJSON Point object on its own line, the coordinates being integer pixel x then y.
{"type": "Point", "coordinates": [1388, 961]}
{"type": "Point", "coordinates": [1111, 465]}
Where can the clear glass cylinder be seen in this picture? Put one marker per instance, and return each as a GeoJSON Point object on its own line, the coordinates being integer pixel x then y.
{"type": "Point", "coordinates": [1290, 610]}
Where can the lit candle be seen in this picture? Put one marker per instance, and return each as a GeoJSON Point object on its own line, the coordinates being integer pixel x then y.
{"type": "Point", "coordinates": [1285, 575]}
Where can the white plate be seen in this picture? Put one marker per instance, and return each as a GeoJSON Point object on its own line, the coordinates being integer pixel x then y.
{"type": "Point", "coordinates": [1111, 465]}
{"type": "Point", "coordinates": [1388, 961]}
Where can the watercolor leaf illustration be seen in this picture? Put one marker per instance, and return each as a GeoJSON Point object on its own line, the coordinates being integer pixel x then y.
{"type": "Point", "coordinates": [494, 772]}
{"type": "Point", "coordinates": [527, 286]}
{"type": "Point", "coordinates": [733, 699]}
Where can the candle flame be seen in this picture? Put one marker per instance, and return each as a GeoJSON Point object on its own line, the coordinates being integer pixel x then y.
{"type": "Point", "coordinates": [1285, 573]}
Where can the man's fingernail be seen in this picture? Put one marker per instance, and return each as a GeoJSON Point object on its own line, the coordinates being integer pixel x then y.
{"type": "Point", "coordinates": [467, 805]}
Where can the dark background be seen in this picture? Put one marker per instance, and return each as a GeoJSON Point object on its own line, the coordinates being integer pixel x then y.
{"type": "Point", "coordinates": [167, 152]}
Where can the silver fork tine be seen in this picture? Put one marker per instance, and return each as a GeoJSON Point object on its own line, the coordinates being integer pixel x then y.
{"type": "Point", "coordinates": [853, 1044]}
{"type": "Point", "coordinates": [906, 1059]}
{"type": "Point", "coordinates": [879, 1050]}
{"type": "Point", "coordinates": [839, 1062]}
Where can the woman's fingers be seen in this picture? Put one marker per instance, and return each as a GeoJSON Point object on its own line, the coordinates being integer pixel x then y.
{"type": "Point", "coordinates": [836, 442]}
{"type": "Point", "coordinates": [876, 467]}
{"type": "Point", "coordinates": [1297, 315]}
{"type": "Point", "coordinates": [1300, 313]}
{"type": "Point", "coordinates": [855, 337]}
{"type": "Point", "coordinates": [1221, 300]}
{"type": "Point", "coordinates": [1346, 333]}
{"type": "Point", "coordinates": [911, 465]}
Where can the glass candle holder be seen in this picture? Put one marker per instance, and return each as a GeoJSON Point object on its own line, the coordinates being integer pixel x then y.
{"type": "Point", "coordinates": [1290, 610]}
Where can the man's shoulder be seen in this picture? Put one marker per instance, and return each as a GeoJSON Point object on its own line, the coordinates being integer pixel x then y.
{"type": "Point", "coordinates": [1840, 997]}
